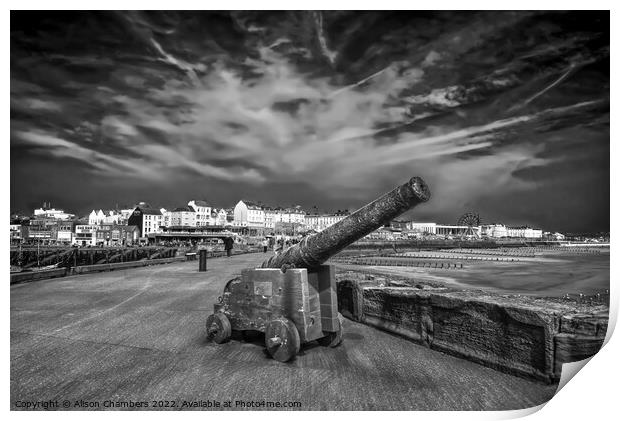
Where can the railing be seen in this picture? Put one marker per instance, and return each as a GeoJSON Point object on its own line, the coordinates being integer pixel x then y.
{"type": "Point", "coordinates": [108, 264]}
{"type": "Point", "coordinates": [35, 275]}
{"type": "Point", "coordinates": [29, 257]}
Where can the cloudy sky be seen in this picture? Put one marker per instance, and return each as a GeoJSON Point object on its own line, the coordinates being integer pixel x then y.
{"type": "Point", "coordinates": [502, 113]}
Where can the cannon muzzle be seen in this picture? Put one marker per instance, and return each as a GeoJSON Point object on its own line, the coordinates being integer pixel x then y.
{"type": "Point", "coordinates": [315, 249]}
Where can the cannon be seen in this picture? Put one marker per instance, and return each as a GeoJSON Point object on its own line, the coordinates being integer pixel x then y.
{"type": "Point", "coordinates": [292, 296]}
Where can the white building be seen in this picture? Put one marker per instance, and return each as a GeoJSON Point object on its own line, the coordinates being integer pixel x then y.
{"type": "Point", "coordinates": [203, 212]}
{"type": "Point", "coordinates": [165, 217]}
{"type": "Point", "coordinates": [502, 231]}
{"type": "Point", "coordinates": [422, 227]}
{"type": "Point", "coordinates": [249, 214]}
{"type": "Point", "coordinates": [226, 216]}
{"type": "Point", "coordinates": [557, 236]}
{"type": "Point", "coordinates": [524, 232]}
{"type": "Point", "coordinates": [108, 217]}
{"type": "Point", "coordinates": [288, 215]}
{"type": "Point", "coordinates": [494, 230]}
{"type": "Point", "coordinates": [182, 217]}
{"type": "Point", "coordinates": [457, 230]}
{"type": "Point", "coordinates": [67, 237]}
{"type": "Point", "coordinates": [16, 233]}
{"type": "Point", "coordinates": [53, 213]}
{"type": "Point", "coordinates": [320, 222]}
{"type": "Point", "coordinates": [270, 217]}
{"type": "Point", "coordinates": [152, 223]}
{"type": "Point", "coordinates": [384, 233]}
{"type": "Point", "coordinates": [85, 235]}
{"type": "Point", "coordinates": [125, 214]}
{"type": "Point", "coordinates": [94, 219]}
{"type": "Point", "coordinates": [220, 217]}
{"type": "Point", "coordinates": [114, 217]}
{"type": "Point", "coordinates": [277, 217]}
{"type": "Point", "coordinates": [432, 228]}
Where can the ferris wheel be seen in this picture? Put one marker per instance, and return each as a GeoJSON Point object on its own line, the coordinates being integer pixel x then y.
{"type": "Point", "coordinates": [472, 221]}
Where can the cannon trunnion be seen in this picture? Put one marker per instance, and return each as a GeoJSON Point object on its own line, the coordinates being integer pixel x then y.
{"type": "Point", "coordinates": [292, 297]}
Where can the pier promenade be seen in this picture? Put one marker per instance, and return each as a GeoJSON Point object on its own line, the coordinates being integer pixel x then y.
{"type": "Point", "coordinates": [139, 335]}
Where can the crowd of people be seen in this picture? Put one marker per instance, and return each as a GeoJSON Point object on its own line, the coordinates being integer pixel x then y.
{"type": "Point", "coordinates": [269, 242]}
{"type": "Point", "coordinates": [277, 244]}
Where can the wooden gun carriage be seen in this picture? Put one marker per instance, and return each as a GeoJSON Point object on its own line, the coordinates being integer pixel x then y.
{"type": "Point", "coordinates": [292, 296]}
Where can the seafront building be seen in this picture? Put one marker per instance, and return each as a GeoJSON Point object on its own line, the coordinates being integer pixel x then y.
{"type": "Point", "coordinates": [494, 230]}
{"type": "Point", "coordinates": [19, 233]}
{"type": "Point", "coordinates": [184, 216]}
{"type": "Point", "coordinates": [524, 232]}
{"type": "Point", "coordinates": [105, 235]}
{"type": "Point", "coordinates": [109, 217]}
{"type": "Point", "coordinates": [502, 231]}
{"type": "Point", "coordinates": [249, 214]}
{"type": "Point", "coordinates": [257, 215]}
{"type": "Point", "coordinates": [147, 219]}
{"type": "Point", "coordinates": [96, 217]}
{"type": "Point", "coordinates": [432, 228]}
{"type": "Point", "coordinates": [202, 213]}
{"type": "Point", "coordinates": [220, 217]}
{"type": "Point", "coordinates": [63, 232]}
{"type": "Point", "coordinates": [46, 211]}
{"type": "Point", "coordinates": [277, 218]}
{"type": "Point", "coordinates": [40, 229]}
{"type": "Point", "coordinates": [116, 235]}
{"type": "Point", "coordinates": [85, 235]}
{"type": "Point", "coordinates": [318, 222]}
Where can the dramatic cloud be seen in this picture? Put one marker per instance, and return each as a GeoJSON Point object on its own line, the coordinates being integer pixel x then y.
{"type": "Point", "coordinates": [325, 108]}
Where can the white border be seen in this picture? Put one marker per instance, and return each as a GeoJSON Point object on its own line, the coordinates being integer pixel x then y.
{"type": "Point", "coordinates": [590, 395]}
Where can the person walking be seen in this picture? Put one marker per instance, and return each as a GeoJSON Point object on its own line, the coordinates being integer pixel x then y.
{"type": "Point", "coordinates": [265, 245]}
{"type": "Point", "coordinates": [228, 246]}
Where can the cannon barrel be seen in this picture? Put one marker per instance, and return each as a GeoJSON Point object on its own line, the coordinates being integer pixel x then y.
{"type": "Point", "coordinates": [315, 249]}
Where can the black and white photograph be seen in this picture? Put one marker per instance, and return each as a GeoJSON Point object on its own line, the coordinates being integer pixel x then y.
{"type": "Point", "coordinates": [306, 210]}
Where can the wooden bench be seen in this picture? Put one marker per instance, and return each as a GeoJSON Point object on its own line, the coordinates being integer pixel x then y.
{"type": "Point", "coordinates": [190, 256]}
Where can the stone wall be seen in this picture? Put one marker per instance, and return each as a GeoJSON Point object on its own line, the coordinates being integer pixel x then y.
{"type": "Point", "coordinates": [525, 336]}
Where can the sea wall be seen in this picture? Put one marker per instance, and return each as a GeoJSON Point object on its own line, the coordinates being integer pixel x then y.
{"type": "Point", "coordinates": [525, 336]}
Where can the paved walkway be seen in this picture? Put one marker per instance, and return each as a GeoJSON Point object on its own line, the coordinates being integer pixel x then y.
{"type": "Point", "coordinates": [139, 335]}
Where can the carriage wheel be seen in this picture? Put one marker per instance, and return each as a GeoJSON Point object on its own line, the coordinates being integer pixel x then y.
{"type": "Point", "coordinates": [228, 285]}
{"type": "Point", "coordinates": [333, 339]}
{"type": "Point", "coordinates": [282, 339]}
{"type": "Point", "coordinates": [218, 328]}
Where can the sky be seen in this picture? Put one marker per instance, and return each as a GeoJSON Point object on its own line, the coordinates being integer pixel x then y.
{"type": "Point", "coordinates": [505, 114]}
